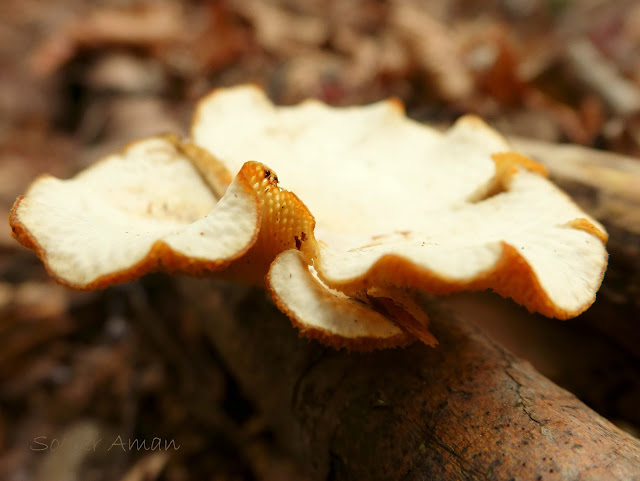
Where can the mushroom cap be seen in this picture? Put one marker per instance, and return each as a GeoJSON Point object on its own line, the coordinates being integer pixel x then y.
{"type": "Point", "coordinates": [400, 204]}
{"type": "Point", "coordinates": [146, 208]}
{"type": "Point", "coordinates": [375, 206]}
{"type": "Point", "coordinates": [329, 315]}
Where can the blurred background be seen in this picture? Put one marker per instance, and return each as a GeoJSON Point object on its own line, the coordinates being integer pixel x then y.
{"type": "Point", "coordinates": [79, 79]}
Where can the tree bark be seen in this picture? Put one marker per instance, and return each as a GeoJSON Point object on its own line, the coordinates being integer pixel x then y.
{"type": "Point", "coordinates": [467, 409]}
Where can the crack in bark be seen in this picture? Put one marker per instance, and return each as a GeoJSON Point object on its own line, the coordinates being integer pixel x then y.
{"type": "Point", "coordinates": [522, 398]}
{"type": "Point", "coordinates": [467, 468]}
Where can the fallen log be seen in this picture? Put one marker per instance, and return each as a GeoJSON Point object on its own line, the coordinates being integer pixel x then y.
{"type": "Point", "coordinates": [468, 409]}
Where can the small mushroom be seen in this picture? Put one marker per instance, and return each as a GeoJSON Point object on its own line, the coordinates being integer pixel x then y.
{"type": "Point", "coordinates": [376, 206]}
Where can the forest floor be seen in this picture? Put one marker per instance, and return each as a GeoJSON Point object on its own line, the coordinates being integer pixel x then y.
{"type": "Point", "coordinates": [79, 79]}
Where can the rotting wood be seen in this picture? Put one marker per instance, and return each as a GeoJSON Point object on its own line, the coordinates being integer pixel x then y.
{"type": "Point", "coordinates": [467, 409]}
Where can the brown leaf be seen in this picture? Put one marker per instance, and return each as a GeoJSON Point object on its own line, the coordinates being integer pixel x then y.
{"type": "Point", "coordinates": [434, 48]}
{"type": "Point", "coordinates": [150, 25]}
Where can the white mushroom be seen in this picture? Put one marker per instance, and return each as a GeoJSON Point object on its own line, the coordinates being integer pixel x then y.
{"type": "Point", "coordinates": [144, 209]}
{"type": "Point", "coordinates": [400, 204]}
{"type": "Point", "coordinates": [376, 206]}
